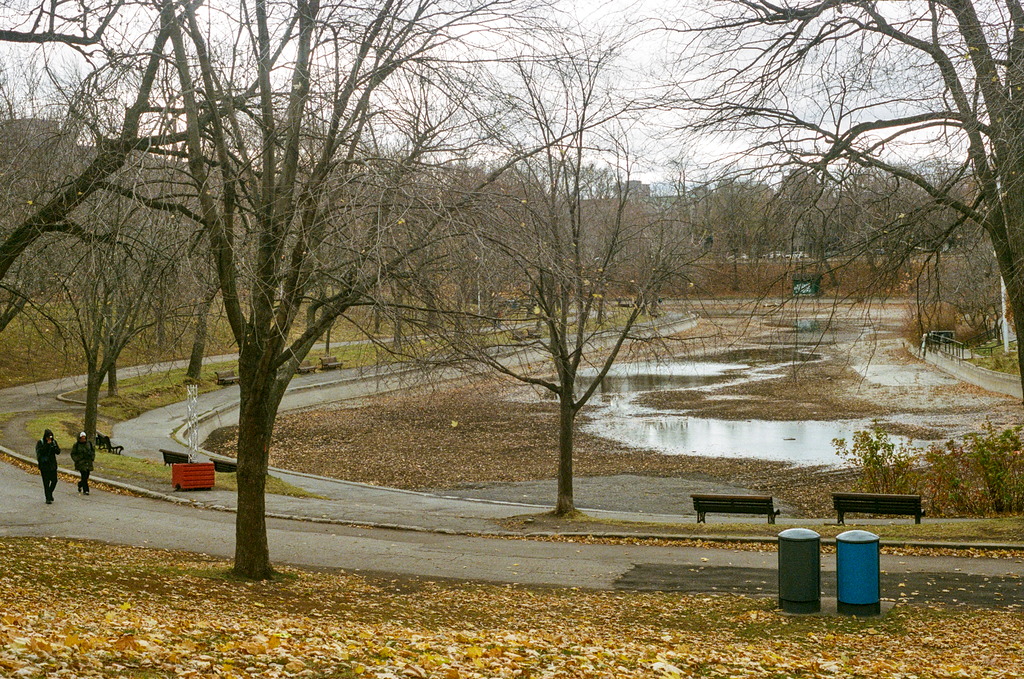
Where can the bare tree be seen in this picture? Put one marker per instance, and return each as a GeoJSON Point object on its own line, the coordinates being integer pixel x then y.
{"type": "Point", "coordinates": [882, 86]}
{"type": "Point", "coordinates": [53, 200]}
{"type": "Point", "coordinates": [281, 122]}
{"type": "Point", "coordinates": [557, 240]}
{"type": "Point", "coordinates": [109, 293]}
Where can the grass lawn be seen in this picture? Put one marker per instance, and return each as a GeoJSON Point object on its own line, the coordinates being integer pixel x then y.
{"type": "Point", "coordinates": [65, 427]}
{"type": "Point", "coordinates": [88, 609]}
{"type": "Point", "coordinates": [999, 360]}
{"type": "Point", "coordinates": [143, 472]}
{"type": "Point", "coordinates": [137, 395]}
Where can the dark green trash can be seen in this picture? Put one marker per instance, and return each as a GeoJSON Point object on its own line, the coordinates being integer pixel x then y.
{"type": "Point", "coordinates": [799, 571]}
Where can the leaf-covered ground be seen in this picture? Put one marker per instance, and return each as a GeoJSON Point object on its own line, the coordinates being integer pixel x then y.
{"type": "Point", "coordinates": [74, 609]}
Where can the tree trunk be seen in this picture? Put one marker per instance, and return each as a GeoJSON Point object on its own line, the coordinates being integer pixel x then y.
{"type": "Point", "coordinates": [195, 360]}
{"type": "Point", "coordinates": [94, 380]}
{"type": "Point", "coordinates": [566, 424]}
{"type": "Point", "coordinates": [257, 413]}
{"type": "Point", "coordinates": [1015, 297]}
{"type": "Point", "coordinates": [397, 341]}
{"type": "Point", "coordinates": [112, 380]}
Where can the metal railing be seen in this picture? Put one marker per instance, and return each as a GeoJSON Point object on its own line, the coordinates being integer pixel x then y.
{"type": "Point", "coordinates": [983, 337]}
{"type": "Point", "coordinates": [942, 341]}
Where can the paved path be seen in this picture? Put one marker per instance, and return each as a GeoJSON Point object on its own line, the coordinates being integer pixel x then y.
{"type": "Point", "coordinates": [152, 523]}
{"type": "Point", "coordinates": [443, 544]}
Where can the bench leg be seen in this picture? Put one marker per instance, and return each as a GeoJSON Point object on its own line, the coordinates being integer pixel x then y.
{"type": "Point", "coordinates": [700, 517]}
{"type": "Point", "coordinates": [840, 518]}
{"type": "Point", "coordinates": [771, 517]}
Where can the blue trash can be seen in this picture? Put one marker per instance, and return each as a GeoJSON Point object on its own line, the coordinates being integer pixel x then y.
{"type": "Point", "coordinates": [857, 573]}
{"type": "Point", "coordinates": [799, 571]}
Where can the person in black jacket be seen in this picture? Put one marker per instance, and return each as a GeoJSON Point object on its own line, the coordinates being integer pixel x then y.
{"type": "Point", "coordinates": [47, 451]}
{"type": "Point", "coordinates": [84, 456]}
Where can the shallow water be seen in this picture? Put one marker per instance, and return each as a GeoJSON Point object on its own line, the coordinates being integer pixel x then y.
{"type": "Point", "coordinates": [617, 417]}
{"type": "Point", "coordinates": [801, 442]}
{"type": "Point", "coordinates": [633, 378]}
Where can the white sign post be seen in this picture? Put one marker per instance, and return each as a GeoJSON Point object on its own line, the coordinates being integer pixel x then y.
{"type": "Point", "coordinates": [193, 421]}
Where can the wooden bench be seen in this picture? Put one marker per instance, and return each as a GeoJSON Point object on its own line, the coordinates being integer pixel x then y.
{"type": "Point", "coordinates": [329, 363]}
{"type": "Point", "coordinates": [103, 443]}
{"type": "Point", "coordinates": [876, 503]}
{"type": "Point", "coordinates": [172, 457]}
{"type": "Point", "coordinates": [225, 466]}
{"type": "Point", "coordinates": [306, 367]}
{"type": "Point", "coordinates": [226, 376]}
{"type": "Point", "coordinates": [734, 504]}
{"type": "Point", "coordinates": [525, 334]}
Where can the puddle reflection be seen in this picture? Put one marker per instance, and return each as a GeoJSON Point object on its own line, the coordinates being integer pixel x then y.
{"type": "Point", "coordinates": [803, 442]}
{"type": "Point", "coordinates": [617, 417]}
{"type": "Point", "coordinates": [631, 378]}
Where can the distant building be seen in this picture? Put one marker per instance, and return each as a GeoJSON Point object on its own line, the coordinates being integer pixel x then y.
{"type": "Point", "coordinates": [638, 189]}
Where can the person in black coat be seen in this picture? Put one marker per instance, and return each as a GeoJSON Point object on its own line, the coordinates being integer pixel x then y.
{"type": "Point", "coordinates": [47, 451]}
{"type": "Point", "coordinates": [84, 455]}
